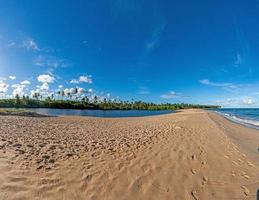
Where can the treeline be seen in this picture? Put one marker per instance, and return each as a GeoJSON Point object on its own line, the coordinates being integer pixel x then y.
{"type": "Point", "coordinates": [95, 104]}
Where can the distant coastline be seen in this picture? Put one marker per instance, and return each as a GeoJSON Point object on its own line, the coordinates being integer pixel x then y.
{"type": "Point", "coordinates": [86, 104]}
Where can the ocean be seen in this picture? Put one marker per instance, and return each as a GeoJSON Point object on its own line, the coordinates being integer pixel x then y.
{"type": "Point", "coordinates": [245, 116]}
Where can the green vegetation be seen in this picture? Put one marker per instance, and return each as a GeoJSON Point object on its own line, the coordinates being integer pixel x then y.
{"type": "Point", "coordinates": [95, 104]}
{"type": "Point", "coordinates": [19, 112]}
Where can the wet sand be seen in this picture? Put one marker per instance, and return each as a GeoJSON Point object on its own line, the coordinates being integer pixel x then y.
{"type": "Point", "coordinates": [192, 154]}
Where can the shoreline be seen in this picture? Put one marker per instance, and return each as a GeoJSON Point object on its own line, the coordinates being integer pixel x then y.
{"type": "Point", "coordinates": [242, 134]}
{"type": "Point", "coordinates": [245, 122]}
{"type": "Point", "coordinates": [191, 154]}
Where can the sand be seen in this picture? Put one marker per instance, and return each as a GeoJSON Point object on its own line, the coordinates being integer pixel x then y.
{"type": "Point", "coordinates": [193, 154]}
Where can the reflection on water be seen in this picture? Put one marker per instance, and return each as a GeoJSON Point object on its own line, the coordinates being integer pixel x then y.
{"type": "Point", "coordinates": [100, 113]}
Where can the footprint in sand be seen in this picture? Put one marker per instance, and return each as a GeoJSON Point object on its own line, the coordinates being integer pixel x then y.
{"type": "Point", "coordinates": [233, 173]}
{"type": "Point", "coordinates": [193, 171]}
{"type": "Point", "coordinates": [194, 195]}
{"type": "Point", "coordinates": [245, 190]}
{"type": "Point", "coordinates": [250, 164]}
{"type": "Point", "coordinates": [245, 175]}
{"type": "Point", "coordinates": [225, 156]}
{"type": "Point", "coordinates": [234, 162]}
{"type": "Point", "coordinates": [204, 180]}
{"type": "Point", "coordinates": [178, 127]}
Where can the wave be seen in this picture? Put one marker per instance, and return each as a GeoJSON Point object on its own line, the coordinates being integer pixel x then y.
{"type": "Point", "coordinates": [247, 121]}
{"type": "Point", "coordinates": [237, 119]}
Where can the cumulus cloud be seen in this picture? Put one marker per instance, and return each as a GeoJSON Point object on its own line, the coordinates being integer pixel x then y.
{"type": "Point", "coordinates": [46, 78]}
{"type": "Point", "coordinates": [244, 101]}
{"type": "Point", "coordinates": [85, 79]}
{"type": "Point", "coordinates": [67, 91]}
{"type": "Point", "coordinates": [44, 87]}
{"type": "Point", "coordinates": [249, 101]}
{"type": "Point", "coordinates": [12, 77]}
{"type": "Point", "coordinates": [76, 92]}
{"type": "Point", "coordinates": [33, 92]}
{"type": "Point", "coordinates": [82, 79]}
{"type": "Point", "coordinates": [18, 89]}
{"type": "Point", "coordinates": [81, 91]}
{"type": "Point", "coordinates": [26, 82]}
{"type": "Point", "coordinates": [74, 81]}
{"type": "Point", "coordinates": [3, 87]}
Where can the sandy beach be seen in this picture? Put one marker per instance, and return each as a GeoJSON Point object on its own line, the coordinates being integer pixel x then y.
{"type": "Point", "coordinates": [192, 154]}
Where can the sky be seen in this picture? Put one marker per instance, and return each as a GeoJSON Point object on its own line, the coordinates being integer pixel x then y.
{"type": "Point", "coordinates": [202, 52]}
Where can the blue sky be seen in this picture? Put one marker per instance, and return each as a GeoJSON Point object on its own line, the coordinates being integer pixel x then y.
{"type": "Point", "coordinates": [161, 51]}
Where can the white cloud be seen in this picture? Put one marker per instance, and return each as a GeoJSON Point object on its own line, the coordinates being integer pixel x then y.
{"type": "Point", "coordinates": [3, 87]}
{"type": "Point", "coordinates": [74, 81]}
{"type": "Point", "coordinates": [18, 89]}
{"type": "Point", "coordinates": [26, 82]}
{"type": "Point", "coordinates": [77, 92]}
{"type": "Point", "coordinates": [18, 85]}
{"type": "Point", "coordinates": [44, 86]}
{"type": "Point", "coordinates": [90, 90]}
{"type": "Point", "coordinates": [73, 91]}
{"type": "Point", "coordinates": [208, 82]}
{"type": "Point", "coordinates": [46, 78]}
{"type": "Point", "coordinates": [169, 95]}
{"type": "Point", "coordinates": [228, 86]}
{"type": "Point", "coordinates": [60, 86]}
{"type": "Point", "coordinates": [70, 91]}
{"type": "Point", "coordinates": [81, 91]}
{"type": "Point", "coordinates": [249, 101]}
{"type": "Point", "coordinates": [30, 44]}
{"type": "Point", "coordinates": [66, 91]}
{"type": "Point", "coordinates": [12, 77]}
{"type": "Point", "coordinates": [244, 101]}
{"type": "Point", "coordinates": [50, 61]}
{"type": "Point", "coordinates": [83, 79]}
{"type": "Point", "coordinates": [33, 92]}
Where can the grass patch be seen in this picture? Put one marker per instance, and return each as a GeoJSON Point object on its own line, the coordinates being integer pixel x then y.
{"type": "Point", "coordinates": [19, 112]}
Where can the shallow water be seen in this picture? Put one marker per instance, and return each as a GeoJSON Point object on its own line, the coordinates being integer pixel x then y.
{"type": "Point", "coordinates": [246, 116]}
{"type": "Point", "coordinates": [100, 113]}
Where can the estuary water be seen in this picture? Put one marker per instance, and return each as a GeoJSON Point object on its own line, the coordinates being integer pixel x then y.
{"type": "Point", "coordinates": [100, 113]}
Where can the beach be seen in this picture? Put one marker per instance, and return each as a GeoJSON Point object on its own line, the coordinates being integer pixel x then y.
{"type": "Point", "coordinates": [191, 154]}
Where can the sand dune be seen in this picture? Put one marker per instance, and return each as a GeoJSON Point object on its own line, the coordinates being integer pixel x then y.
{"type": "Point", "coordinates": [192, 154]}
